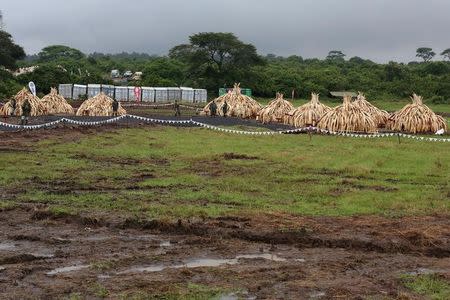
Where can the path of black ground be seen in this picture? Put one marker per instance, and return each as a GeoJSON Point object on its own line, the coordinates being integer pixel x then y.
{"type": "Point", "coordinates": [217, 121]}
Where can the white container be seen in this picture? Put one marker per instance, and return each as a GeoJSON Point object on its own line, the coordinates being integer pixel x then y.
{"type": "Point", "coordinates": [173, 94]}
{"type": "Point", "coordinates": [94, 90]}
{"type": "Point", "coordinates": [187, 94]}
{"type": "Point", "coordinates": [78, 90]}
{"type": "Point", "coordinates": [200, 95]}
{"type": "Point", "coordinates": [108, 90]}
{"type": "Point", "coordinates": [161, 95]}
{"type": "Point", "coordinates": [121, 93]}
{"type": "Point", "coordinates": [65, 90]}
{"type": "Point", "coordinates": [148, 94]}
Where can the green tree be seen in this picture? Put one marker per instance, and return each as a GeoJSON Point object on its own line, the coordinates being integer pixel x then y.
{"type": "Point", "coordinates": [45, 77]}
{"type": "Point", "coordinates": [8, 85]}
{"type": "Point", "coordinates": [393, 71]}
{"type": "Point", "coordinates": [56, 52]}
{"type": "Point", "coordinates": [164, 72]}
{"type": "Point", "coordinates": [9, 51]}
{"type": "Point", "coordinates": [446, 53]}
{"type": "Point", "coordinates": [425, 53]}
{"type": "Point", "coordinates": [216, 58]}
{"type": "Point", "coordinates": [437, 68]}
{"type": "Point", "coordinates": [336, 55]}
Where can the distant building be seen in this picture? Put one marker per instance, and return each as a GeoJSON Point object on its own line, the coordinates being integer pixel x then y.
{"type": "Point", "coordinates": [342, 94]}
{"type": "Point", "coordinates": [127, 74]}
{"type": "Point", "coordinates": [115, 74]}
{"type": "Point", "coordinates": [137, 76]}
{"type": "Point", "coordinates": [27, 70]}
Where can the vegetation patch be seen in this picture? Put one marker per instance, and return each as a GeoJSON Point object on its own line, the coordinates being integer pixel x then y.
{"type": "Point", "coordinates": [430, 285]}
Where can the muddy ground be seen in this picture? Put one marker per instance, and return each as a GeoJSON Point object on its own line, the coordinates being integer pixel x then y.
{"type": "Point", "coordinates": [272, 256]}
{"type": "Point", "coordinates": [44, 256]}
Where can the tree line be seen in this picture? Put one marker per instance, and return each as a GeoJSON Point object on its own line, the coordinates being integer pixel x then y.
{"type": "Point", "coordinates": [215, 60]}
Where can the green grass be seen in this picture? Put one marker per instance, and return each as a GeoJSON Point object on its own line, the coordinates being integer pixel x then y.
{"type": "Point", "coordinates": [383, 104]}
{"type": "Point", "coordinates": [163, 172]}
{"type": "Point", "coordinates": [430, 286]}
{"type": "Point", "coordinates": [190, 291]}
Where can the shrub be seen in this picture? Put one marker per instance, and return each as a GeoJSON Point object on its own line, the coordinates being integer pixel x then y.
{"type": "Point", "coordinates": [439, 100]}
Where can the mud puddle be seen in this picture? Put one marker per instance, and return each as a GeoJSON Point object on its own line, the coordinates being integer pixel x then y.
{"type": "Point", "coordinates": [7, 246]}
{"type": "Point", "coordinates": [120, 237]}
{"type": "Point", "coordinates": [205, 262]}
{"type": "Point", "coordinates": [25, 247]}
{"type": "Point", "coordinates": [66, 269]}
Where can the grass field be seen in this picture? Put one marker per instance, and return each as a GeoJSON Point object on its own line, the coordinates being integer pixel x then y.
{"type": "Point", "coordinates": [166, 172]}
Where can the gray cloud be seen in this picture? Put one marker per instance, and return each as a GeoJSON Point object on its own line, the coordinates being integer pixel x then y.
{"type": "Point", "coordinates": [380, 30]}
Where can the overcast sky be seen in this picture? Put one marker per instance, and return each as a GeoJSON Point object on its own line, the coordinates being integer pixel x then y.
{"type": "Point", "coordinates": [380, 30]}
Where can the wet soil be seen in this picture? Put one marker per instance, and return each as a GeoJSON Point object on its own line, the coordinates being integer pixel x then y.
{"type": "Point", "coordinates": [272, 256]}
{"type": "Point", "coordinates": [44, 256]}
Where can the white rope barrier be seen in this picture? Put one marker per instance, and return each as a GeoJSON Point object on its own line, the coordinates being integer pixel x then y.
{"type": "Point", "coordinates": [324, 131]}
{"type": "Point", "coordinates": [145, 105]}
{"type": "Point", "coordinates": [220, 129]}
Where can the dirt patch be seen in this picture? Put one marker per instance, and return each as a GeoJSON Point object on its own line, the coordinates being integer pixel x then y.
{"type": "Point", "coordinates": [21, 140]}
{"type": "Point", "coordinates": [381, 235]}
{"type": "Point", "coordinates": [354, 185]}
{"type": "Point", "coordinates": [21, 258]}
{"type": "Point", "coordinates": [267, 256]}
{"type": "Point", "coordinates": [230, 156]}
{"type": "Point", "coordinates": [21, 237]}
{"type": "Point", "coordinates": [67, 217]}
{"type": "Point", "coordinates": [218, 166]}
{"type": "Point", "coordinates": [123, 160]}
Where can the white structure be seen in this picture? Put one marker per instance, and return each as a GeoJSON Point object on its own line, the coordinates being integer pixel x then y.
{"type": "Point", "coordinates": [173, 93]}
{"type": "Point", "coordinates": [26, 70]}
{"type": "Point", "coordinates": [200, 95]}
{"type": "Point", "coordinates": [65, 90]}
{"type": "Point", "coordinates": [108, 90]}
{"type": "Point", "coordinates": [187, 94]}
{"type": "Point", "coordinates": [94, 90]}
{"type": "Point", "coordinates": [126, 93]}
{"type": "Point", "coordinates": [137, 76]}
{"type": "Point", "coordinates": [115, 74]}
{"type": "Point", "coordinates": [148, 94]}
{"type": "Point", "coordinates": [121, 93]}
{"type": "Point", "coordinates": [78, 90]}
{"type": "Point", "coordinates": [161, 95]}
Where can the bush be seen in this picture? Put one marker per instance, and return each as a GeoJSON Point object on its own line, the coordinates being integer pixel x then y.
{"type": "Point", "coordinates": [83, 97]}
{"type": "Point", "coordinates": [8, 85]}
{"type": "Point", "coordinates": [439, 100]}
